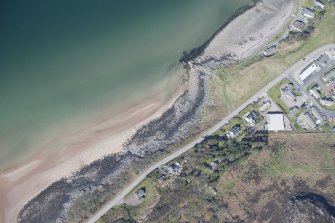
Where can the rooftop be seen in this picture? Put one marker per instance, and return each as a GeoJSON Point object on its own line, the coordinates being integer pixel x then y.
{"type": "Point", "coordinates": [275, 121]}
{"type": "Point", "coordinates": [299, 25]}
{"type": "Point", "coordinates": [308, 71]}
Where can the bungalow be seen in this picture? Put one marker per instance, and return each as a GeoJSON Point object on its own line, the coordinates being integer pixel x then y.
{"type": "Point", "coordinates": [319, 4]}
{"type": "Point", "coordinates": [327, 102]}
{"type": "Point", "coordinates": [317, 115]}
{"type": "Point", "coordinates": [214, 165]}
{"type": "Point", "coordinates": [329, 89]}
{"type": "Point", "coordinates": [299, 25]}
{"type": "Point", "coordinates": [161, 179]}
{"type": "Point", "coordinates": [265, 106]}
{"type": "Point", "coordinates": [140, 193]}
{"type": "Point", "coordinates": [251, 118]}
{"type": "Point", "coordinates": [270, 51]}
{"type": "Point", "coordinates": [308, 13]}
{"type": "Point", "coordinates": [234, 131]}
{"type": "Point", "coordinates": [310, 120]}
{"type": "Point", "coordinates": [286, 91]}
{"type": "Point", "coordinates": [175, 168]}
{"type": "Point", "coordinates": [329, 75]}
{"type": "Point", "coordinates": [314, 92]}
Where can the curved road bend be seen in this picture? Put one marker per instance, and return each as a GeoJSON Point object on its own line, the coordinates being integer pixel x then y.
{"type": "Point", "coordinates": [298, 65]}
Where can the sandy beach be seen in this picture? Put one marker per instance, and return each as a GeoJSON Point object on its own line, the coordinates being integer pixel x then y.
{"type": "Point", "coordinates": [23, 181]}
{"type": "Point", "coordinates": [239, 39]}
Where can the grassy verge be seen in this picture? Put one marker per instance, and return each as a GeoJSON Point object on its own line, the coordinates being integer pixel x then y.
{"type": "Point", "coordinates": [134, 212]}
{"type": "Point", "coordinates": [275, 94]}
{"type": "Point", "coordinates": [241, 80]}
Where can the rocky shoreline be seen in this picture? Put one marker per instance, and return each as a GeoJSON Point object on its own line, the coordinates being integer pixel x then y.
{"type": "Point", "coordinates": [73, 199]}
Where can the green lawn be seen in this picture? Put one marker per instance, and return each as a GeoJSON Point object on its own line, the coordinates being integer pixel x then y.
{"type": "Point", "coordinates": [275, 95]}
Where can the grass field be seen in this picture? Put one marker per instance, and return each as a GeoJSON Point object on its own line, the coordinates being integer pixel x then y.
{"type": "Point", "coordinates": [244, 79]}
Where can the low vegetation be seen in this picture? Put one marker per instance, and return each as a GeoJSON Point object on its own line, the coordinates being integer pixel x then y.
{"type": "Point", "coordinates": [243, 79]}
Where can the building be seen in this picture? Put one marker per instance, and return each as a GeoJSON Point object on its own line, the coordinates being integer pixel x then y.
{"type": "Point", "coordinates": [265, 106]}
{"type": "Point", "coordinates": [319, 4]}
{"type": "Point", "coordinates": [286, 91]}
{"type": "Point", "coordinates": [317, 115]}
{"type": "Point", "coordinates": [310, 120]}
{"type": "Point", "coordinates": [327, 102]}
{"type": "Point", "coordinates": [330, 75]}
{"type": "Point", "coordinates": [234, 131]}
{"type": "Point", "coordinates": [161, 179]}
{"type": "Point", "coordinates": [298, 25]}
{"type": "Point", "coordinates": [314, 92]}
{"type": "Point", "coordinates": [313, 67]}
{"type": "Point", "coordinates": [251, 118]}
{"type": "Point", "coordinates": [275, 121]}
{"type": "Point", "coordinates": [308, 13]}
{"type": "Point", "coordinates": [214, 165]}
{"type": "Point", "coordinates": [175, 168]}
{"type": "Point", "coordinates": [140, 193]}
{"type": "Point", "coordinates": [270, 51]}
{"type": "Point", "coordinates": [329, 89]}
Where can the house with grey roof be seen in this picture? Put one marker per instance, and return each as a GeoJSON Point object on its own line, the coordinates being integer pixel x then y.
{"type": "Point", "coordinates": [319, 4]}
{"type": "Point", "coordinates": [317, 115]}
{"type": "Point", "coordinates": [298, 25]}
{"type": "Point", "coordinates": [308, 13]}
{"type": "Point", "coordinates": [310, 120]}
{"type": "Point", "coordinates": [234, 131]}
{"type": "Point", "coordinates": [271, 50]}
{"type": "Point", "coordinates": [251, 118]}
{"type": "Point", "coordinates": [315, 92]}
{"type": "Point", "coordinates": [140, 193]}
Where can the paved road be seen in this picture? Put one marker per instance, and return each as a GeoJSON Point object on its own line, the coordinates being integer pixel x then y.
{"type": "Point", "coordinates": [299, 65]}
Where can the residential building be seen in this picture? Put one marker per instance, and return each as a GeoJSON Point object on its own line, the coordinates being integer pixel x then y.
{"type": "Point", "coordinates": [317, 115]}
{"type": "Point", "coordinates": [270, 50]}
{"type": "Point", "coordinates": [319, 4]}
{"type": "Point", "coordinates": [286, 91]}
{"type": "Point", "coordinates": [308, 13]}
{"type": "Point", "coordinates": [234, 131]}
{"type": "Point", "coordinates": [275, 121]}
{"type": "Point", "coordinates": [330, 75]}
{"type": "Point", "coordinates": [329, 89]}
{"type": "Point", "coordinates": [265, 106]}
{"type": "Point", "coordinates": [309, 70]}
{"type": "Point", "coordinates": [298, 25]}
{"type": "Point", "coordinates": [140, 193]}
{"type": "Point", "coordinates": [251, 118]}
{"type": "Point", "coordinates": [215, 165]}
{"type": "Point", "coordinates": [310, 120]}
{"type": "Point", "coordinates": [315, 93]}
{"type": "Point", "coordinates": [327, 102]}
{"type": "Point", "coordinates": [175, 168]}
{"type": "Point", "coordinates": [161, 179]}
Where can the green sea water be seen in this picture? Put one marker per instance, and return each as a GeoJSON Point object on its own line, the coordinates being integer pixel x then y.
{"type": "Point", "coordinates": [62, 61]}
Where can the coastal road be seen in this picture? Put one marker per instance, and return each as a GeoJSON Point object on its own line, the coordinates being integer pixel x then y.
{"type": "Point", "coordinates": [298, 66]}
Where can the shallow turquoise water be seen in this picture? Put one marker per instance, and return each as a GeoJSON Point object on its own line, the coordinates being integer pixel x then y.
{"type": "Point", "coordinates": [61, 61]}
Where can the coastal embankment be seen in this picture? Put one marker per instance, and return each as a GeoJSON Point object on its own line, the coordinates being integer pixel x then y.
{"type": "Point", "coordinates": [152, 132]}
